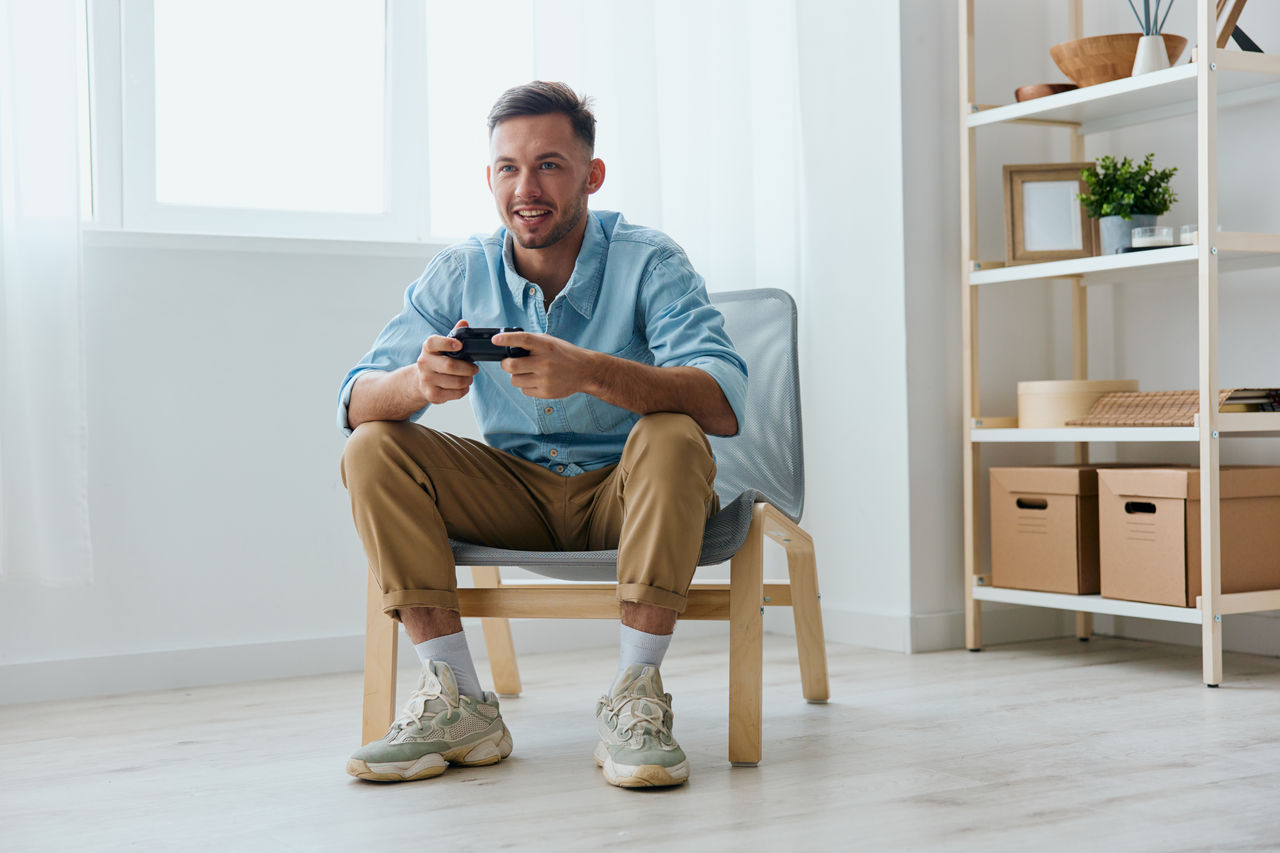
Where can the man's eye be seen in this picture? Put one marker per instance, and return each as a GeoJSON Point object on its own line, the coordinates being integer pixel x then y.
{"type": "Point", "coordinates": [549, 165]}
{"type": "Point", "coordinates": [506, 168]}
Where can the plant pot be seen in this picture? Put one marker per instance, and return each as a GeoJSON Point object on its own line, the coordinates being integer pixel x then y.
{"type": "Point", "coordinates": [1116, 231]}
{"type": "Point", "coordinates": [1151, 55]}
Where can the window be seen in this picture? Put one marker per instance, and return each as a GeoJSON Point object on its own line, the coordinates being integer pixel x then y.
{"type": "Point", "coordinates": [271, 117]}
{"type": "Point", "coordinates": [242, 122]}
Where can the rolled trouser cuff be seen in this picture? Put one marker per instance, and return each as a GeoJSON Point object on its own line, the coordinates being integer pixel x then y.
{"type": "Point", "coordinates": [393, 601]}
{"type": "Point", "coordinates": [645, 594]}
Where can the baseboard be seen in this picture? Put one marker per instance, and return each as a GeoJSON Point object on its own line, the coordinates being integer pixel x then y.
{"type": "Point", "coordinates": [43, 681]}
{"type": "Point", "coordinates": [1251, 633]}
{"type": "Point", "coordinates": [1001, 623]}
{"type": "Point", "coordinates": [931, 632]}
{"type": "Point", "coordinates": [52, 680]}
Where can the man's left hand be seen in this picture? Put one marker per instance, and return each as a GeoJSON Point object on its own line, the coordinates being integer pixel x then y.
{"type": "Point", "coordinates": [552, 370]}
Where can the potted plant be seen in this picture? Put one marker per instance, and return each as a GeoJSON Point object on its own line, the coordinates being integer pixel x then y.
{"type": "Point", "coordinates": [1123, 196]}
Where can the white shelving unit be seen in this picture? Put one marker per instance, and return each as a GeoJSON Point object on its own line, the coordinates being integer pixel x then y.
{"type": "Point", "coordinates": [1218, 78]}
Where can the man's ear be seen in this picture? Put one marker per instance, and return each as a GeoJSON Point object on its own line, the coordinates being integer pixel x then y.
{"type": "Point", "coordinates": [488, 177]}
{"type": "Point", "coordinates": [595, 177]}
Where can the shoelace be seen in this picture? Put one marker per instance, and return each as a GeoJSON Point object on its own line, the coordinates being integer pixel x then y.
{"type": "Point", "coordinates": [416, 707]}
{"type": "Point", "coordinates": [655, 719]}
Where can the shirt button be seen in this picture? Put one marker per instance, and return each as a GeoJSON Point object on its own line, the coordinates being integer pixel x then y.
{"type": "Point", "coordinates": [559, 469]}
{"type": "Point", "coordinates": [533, 291]}
{"type": "Point", "coordinates": [548, 410]}
{"type": "Point", "coordinates": [555, 453]}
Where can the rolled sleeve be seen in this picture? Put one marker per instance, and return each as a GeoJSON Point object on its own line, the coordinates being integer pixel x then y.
{"type": "Point", "coordinates": [431, 307]}
{"type": "Point", "coordinates": [344, 400]}
{"type": "Point", "coordinates": [732, 381]}
{"type": "Point", "coordinates": [684, 329]}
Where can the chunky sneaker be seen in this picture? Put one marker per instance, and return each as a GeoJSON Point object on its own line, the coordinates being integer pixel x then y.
{"type": "Point", "coordinates": [436, 728]}
{"type": "Point", "coordinates": [636, 749]}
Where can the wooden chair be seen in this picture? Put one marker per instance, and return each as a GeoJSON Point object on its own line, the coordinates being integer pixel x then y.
{"type": "Point", "coordinates": [762, 468]}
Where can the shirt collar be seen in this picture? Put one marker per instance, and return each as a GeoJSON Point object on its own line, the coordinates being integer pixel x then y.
{"type": "Point", "coordinates": [588, 270]}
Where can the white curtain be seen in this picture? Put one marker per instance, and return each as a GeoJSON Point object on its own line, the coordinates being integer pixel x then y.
{"type": "Point", "coordinates": [697, 106]}
{"type": "Point", "coordinates": [44, 514]}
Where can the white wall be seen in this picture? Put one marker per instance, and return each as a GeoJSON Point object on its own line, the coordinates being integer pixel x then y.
{"type": "Point", "coordinates": [218, 516]}
{"type": "Point", "coordinates": [853, 319]}
{"type": "Point", "coordinates": [224, 547]}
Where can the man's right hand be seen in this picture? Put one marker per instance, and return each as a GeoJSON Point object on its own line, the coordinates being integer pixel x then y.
{"type": "Point", "coordinates": [441, 378]}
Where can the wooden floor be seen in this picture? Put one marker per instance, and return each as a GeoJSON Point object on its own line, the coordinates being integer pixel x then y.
{"type": "Point", "coordinates": [1058, 745]}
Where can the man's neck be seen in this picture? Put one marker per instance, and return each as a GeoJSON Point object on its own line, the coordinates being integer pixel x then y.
{"type": "Point", "coordinates": [550, 268]}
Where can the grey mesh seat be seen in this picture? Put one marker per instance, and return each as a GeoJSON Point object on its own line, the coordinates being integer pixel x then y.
{"type": "Point", "coordinates": [760, 481]}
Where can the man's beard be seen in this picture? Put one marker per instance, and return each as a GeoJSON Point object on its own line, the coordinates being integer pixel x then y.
{"type": "Point", "coordinates": [560, 231]}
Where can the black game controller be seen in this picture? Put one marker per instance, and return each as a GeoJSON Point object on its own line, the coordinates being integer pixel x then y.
{"type": "Point", "coordinates": [477, 345]}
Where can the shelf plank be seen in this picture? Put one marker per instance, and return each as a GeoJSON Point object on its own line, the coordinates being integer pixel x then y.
{"type": "Point", "coordinates": [1131, 261]}
{"type": "Point", "coordinates": [1249, 422]}
{"type": "Point", "coordinates": [1088, 604]}
{"type": "Point", "coordinates": [1146, 98]}
{"type": "Point", "coordinates": [1084, 434]}
{"type": "Point", "coordinates": [1256, 251]}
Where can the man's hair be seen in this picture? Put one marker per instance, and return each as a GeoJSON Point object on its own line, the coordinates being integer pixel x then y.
{"type": "Point", "coordinates": [541, 98]}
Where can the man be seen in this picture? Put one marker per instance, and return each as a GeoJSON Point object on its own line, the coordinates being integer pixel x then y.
{"type": "Point", "coordinates": [594, 440]}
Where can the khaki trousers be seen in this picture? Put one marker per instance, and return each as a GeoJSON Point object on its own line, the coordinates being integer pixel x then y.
{"type": "Point", "coordinates": [412, 489]}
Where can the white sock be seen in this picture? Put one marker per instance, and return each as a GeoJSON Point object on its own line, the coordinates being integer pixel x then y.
{"type": "Point", "coordinates": [639, 647]}
{"type": "Point", "coordinates": [453, 650]}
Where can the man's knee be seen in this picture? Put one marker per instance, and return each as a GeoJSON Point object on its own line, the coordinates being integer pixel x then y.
{"type": "Point", "coordinates": [668, 438]}
{"type": "Point", "coordinates": [368, 447]}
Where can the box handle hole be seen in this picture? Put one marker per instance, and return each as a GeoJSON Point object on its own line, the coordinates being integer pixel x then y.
{"type": "Point", "coordinates": [1139, 506]}
{"type": "Point", "coordinates": [1032, 503]}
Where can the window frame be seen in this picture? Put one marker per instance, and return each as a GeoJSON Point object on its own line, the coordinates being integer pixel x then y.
{"type": "Point", "coordinates": [122, 59]}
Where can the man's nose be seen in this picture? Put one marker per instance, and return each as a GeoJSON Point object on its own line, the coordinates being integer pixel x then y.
{"type": "Point", "coordinates": [528, 187]}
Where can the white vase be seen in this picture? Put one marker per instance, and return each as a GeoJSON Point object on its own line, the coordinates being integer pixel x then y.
{"type": "Point", "coordinates": [1151, 56]}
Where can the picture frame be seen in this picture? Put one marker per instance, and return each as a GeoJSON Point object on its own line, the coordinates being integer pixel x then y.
{"type": "Point", "coordinates": [1044, 220]}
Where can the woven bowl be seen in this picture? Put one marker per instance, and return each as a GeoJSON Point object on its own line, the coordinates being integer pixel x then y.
{"type": "Point", "coordinates": [1098, 59]}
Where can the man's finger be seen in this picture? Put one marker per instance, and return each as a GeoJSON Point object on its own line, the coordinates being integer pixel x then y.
{"type": "Point", "coordinates": [438, 363]}
{"type": "Point", "coordinates": [438, 343]}
{"type": "Point", "coordinates": [452, 383]}
{"type": "Point", "coordinates": [516, 339]}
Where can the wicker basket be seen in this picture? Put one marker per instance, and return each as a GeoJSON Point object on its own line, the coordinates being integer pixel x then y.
{"type": "Point", "coordinates": [1146, 408]}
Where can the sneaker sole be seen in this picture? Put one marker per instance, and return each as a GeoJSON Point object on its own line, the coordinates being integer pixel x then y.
{"type": "Point", "coordinates": [480, 754]}
{"type": "Point", "coordinates": [639, 775]}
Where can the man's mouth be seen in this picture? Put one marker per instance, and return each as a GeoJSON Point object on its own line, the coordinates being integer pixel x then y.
{"type": "Point", "coordinates": [530, 215]}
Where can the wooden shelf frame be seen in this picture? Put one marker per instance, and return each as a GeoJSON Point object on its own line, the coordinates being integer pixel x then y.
{"type": "Point", "coordinates": [1220, 78]}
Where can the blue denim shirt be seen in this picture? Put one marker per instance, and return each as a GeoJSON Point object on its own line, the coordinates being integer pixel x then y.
{"type": "Point", "coordinates": [632, 294]}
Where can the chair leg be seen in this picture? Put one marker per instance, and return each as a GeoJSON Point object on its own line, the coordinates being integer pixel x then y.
{"type": "Point", "coordinates": [381, 634]}
{"type": "Point", "coordinates": [807, 610]}
{"type": "Point", "coordinates": [497, 639]}
{"type": "Point", "coordinates": [746, 645]}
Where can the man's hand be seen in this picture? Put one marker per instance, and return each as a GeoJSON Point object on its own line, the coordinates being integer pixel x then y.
{"type": "Point", "coordinates": [552, 370]}
{"type": "Point", "coordinates": [441, 378]}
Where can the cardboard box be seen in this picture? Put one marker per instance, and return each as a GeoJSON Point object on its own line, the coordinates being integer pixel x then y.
{"type": "Point", "coordinates": [1149, 532]}
{"type": "Point", "coordinates": [1044, 528]}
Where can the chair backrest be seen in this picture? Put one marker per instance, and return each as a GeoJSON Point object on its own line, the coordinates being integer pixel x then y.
{"type": "Point", "coordinates": [767, 455]}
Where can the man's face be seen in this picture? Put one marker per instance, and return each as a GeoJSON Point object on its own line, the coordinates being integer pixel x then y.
{"type": "Point", "coordinates": [541, 174]}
